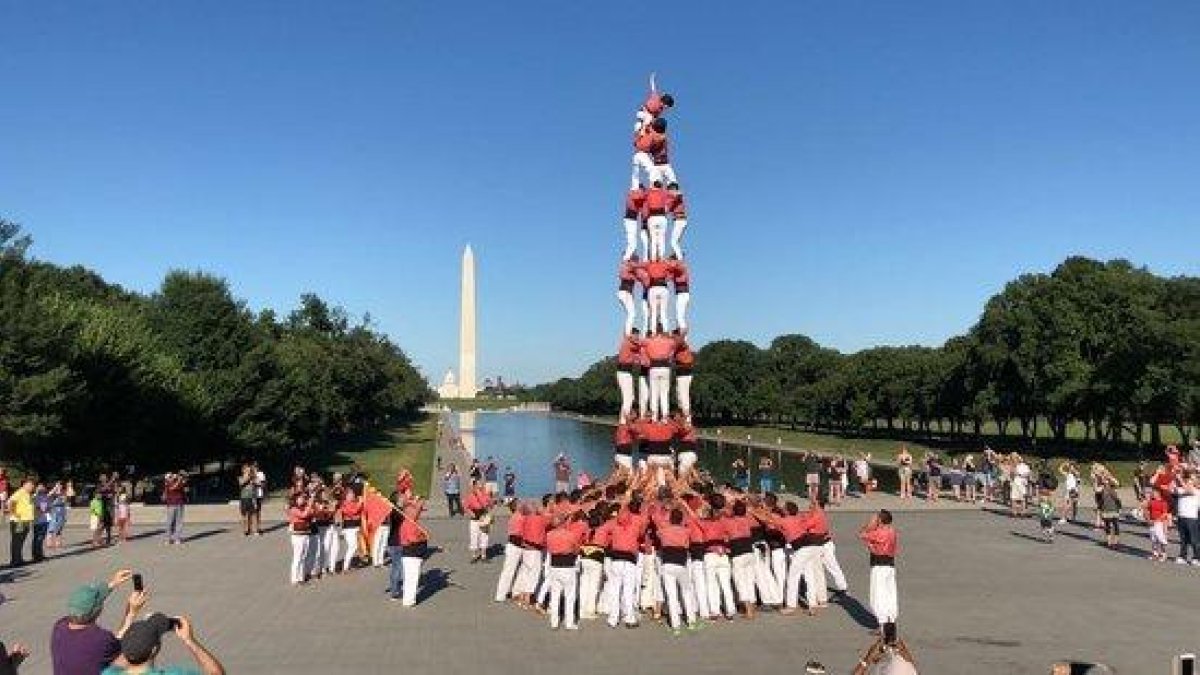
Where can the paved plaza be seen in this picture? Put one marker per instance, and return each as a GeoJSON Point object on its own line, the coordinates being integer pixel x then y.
{"type": "Point", "coordinates": [978, 595]}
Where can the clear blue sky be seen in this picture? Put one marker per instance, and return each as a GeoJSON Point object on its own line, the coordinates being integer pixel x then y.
{"type": "Point", "coordinates": [864, 173]}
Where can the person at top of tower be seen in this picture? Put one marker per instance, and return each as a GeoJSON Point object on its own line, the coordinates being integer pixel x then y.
{"type": "Point", "coordinates": [678, 218]}
{"type": "Point", "coordinates": [651, 155]}
{"type": "Point", "coordinates": [683, 291]}
{"type": "Point", "coordinates": [626, 278]}
{"type": "Point", "coordinates": [656, 203]}
{"type": "Point", "coordinates": [633, 218]}
{"type": "Point", "coordinates": [655, 105]}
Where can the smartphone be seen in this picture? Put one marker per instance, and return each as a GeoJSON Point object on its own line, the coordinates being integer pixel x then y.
{"type": "Point", "coordinates": [175, 622]}
{"type": "Point", "coordinates": [137, 583]}
{"type": "Point", "coordinates": [1185, 664]}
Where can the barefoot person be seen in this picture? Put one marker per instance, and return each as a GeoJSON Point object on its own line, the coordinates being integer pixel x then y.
{"type": "Point", "coordinates": [883, 545]}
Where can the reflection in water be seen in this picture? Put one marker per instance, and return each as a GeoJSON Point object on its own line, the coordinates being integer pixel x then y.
{"type": "Point", "coordinates": [466, 427]}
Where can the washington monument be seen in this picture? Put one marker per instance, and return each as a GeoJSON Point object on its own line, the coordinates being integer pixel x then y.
{"type": "Point", "coordinates": [466, 328]}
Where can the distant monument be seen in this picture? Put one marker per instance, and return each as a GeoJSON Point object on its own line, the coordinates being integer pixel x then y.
{"type": "Point", "coordinates": [464, 386]}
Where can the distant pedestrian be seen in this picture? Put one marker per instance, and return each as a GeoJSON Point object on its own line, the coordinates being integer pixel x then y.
{"type": "Point", "coordinates": [41, 522]}
{"type": "Point", "coordinates": [20, 520]}
{"type": "Point", "coordinates": [1187, 507]}
{"type": "Point", "coordinates": [174, 497]}
{"type": "Point", "coordinates": [510, 483]}
{"type": "Point", "coordinates": [883, 544]}
{"type": "Point", "coordinates": [246, 499]}
{"type": "Point", "coordinates": [491, 477]}
{"type": "Point", "coordinates": [766, 474]}
{"type": "Point", "coordinates": [741, 474]}
{"type": "Point", "coordinates": [452, 487]}
{"type": "Point", "coordinates": [58, 516]}
{"type": "Point", "coordinates": [562, 474]}
{"type": "Point", "coordinates": [124, 515]}
{"type": "Point", "coordinates": [905, 461]}
{"type": "Point", "coordinates": [1110, 513]}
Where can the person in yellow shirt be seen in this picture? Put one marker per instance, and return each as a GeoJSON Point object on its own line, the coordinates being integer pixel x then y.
{"type": "Point", "coordinates": [20, 519]}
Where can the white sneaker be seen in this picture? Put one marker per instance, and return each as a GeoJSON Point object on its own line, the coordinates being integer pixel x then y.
{"type": "Point", "coordinates": [573, 627]}
{"type": "Point", "coordinates": [1180, 561]}
{"type": "Point", "coordinates": [1196, 562]}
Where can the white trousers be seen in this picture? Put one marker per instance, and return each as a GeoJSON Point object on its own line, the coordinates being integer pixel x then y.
{"type": "Point", "coordinates": [677, 228]}
{"type": "Point", "coordinates": [623, 595]}
{"type": "Point", "coordinates": [779, 570]}
{"type": "Point", "coordinates": [884, 604]}
{"type": "Point", "coordinates": [743, 576]}
{"type": "Point", "coordinates": [643, 164]}
{"type": "Point", "coordinates": [664, 173]}
{"type": "Point", "coordinates": [830, 561]}
{"type": "Point", "coordinates": [323, 559]}
{"type": "Point", "coordinates": [590, 573]}
{"type": "Point", "coordinates": [699, 588]}
{"type": "Point", "coordinates": [651, 588]}
{"type": "Point", "coordinates": [657, 299]}
{"type": "Point", "coordinates": [301, 544]}
{"type": "Point", "coordinates": [815, 592]}
{"type": "Point", "coordinates": [764, 579]}
{"type": "Point", "coordinates": [412, 580]}
{"type": "Point", "coordinates": [479, 537]}
{"type": "Point", "coordinates": [529, 571]}
{"type": "Point", "coordinates": [643, 394]}
{"type": "Point", "coordinates": [677, 582]}
{"type": "Point", "coordinates": [379, 544]}
{"type": "Point", "coordinates": [717, 571]}
{"type": "Point", "coordinates": [805, 564]}
{"type": "Point", "coordinates": [683, 394]}
{"type": "Point", "coordinates": [623, 460]}
{"type": "Point", "coordinates": [508, 573]}
{"type": "Point", "coordinates": [625, 298]}
{"type": "Point", "coordinates": [687, 460]}
{"type": "Point", "coordinates": [681, 304]}
{"type": "Point", "coordinates": [657, 226]}
{"type": "Point", "coordinates": [631, 237]}
{"type": "Point", "coordinates": [625, 383]}
{"type": "Point", "coordinates": [350, 542]}
{"type": "Point", "coordinates": [660, 392]}
{"type": "Point", "coordinates": [563, 585]}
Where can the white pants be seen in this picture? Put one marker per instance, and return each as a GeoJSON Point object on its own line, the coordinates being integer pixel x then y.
{"type": "Point", "coordinates": [625, 383]}
{"type": "Point", "coordinates": [626, 300]}
{"type": "Point", "coordinates": [683, 394]}
{"type": "Point", "coordinates": [884, 604]}
{"type": "Point", "coordinates": [642, 164]}
{"type": "Point", "coordinates": [529, 571]}
{"type": "Point", "coordinates": [508, 573]}
{"type": "Point", "coordinates": [743, 576]}
{"type": "Point", "coordinates": [815, 592]}
{"type": "Point", "coordinates": [676, 581]}
{"type": "Point", "coordinates": [301, 544]}
{"type": "Point", "coordinates": [412, 580]}
{"type": "Point", "coordinates": [478, 536]}
{"type": "Point", "coordinates": [830, 561]}
{"type": "Point", "coordinates": [563, 584]}
{"type": "Point", "coordinates": [625, 461]}
{"type": "Point", "coordinates": [651, 589]}
{"type": "Point", "coordinates": [805, 563]}
{"type": "Point", "coordinates": [779, 558]}
{"type": "Point", "coordinates": [379, 544]}
{"type": "Point", "coordinates": [323, 560]}
{"type": "Point", "coordinates": [590, 573]}
{"type": "Point", "coordinates": [643, 118]}
{"type": "Point", "coordinates": [631, 237]}
{"type": "Point", "coordinates": [543, 593]}
{"type": "Point", "coordinates": [681, 305]}
{"type": "Point", "coordinates": [764, 579]}
{"type": "Point", "coordinates": [664, 173]}
{"type": "Point", "coordinates": [657, 298]}
{"type": "Point", "coordinates": [660, 392]}
{"type": "Point", "coordinates": [643, 394]}
{"type": "Point", "coordinates": [677, 229]}
{"type": "Point", "coordinates": [687, 460]}
{"type": "Point", "coordinates": [350, 541]}
{"type": "Point", "coordinates": [717, 571]}
{"type": "Point", "coordinates": [622, 598]}
{"type": "Point", "coordinates": [699, 588]}
{"type": "Point", "coordinates": [657, 225]}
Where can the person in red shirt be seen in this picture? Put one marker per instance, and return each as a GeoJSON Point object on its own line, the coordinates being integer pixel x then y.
{"type": "Point", "coordinates": [626, 278]}
{"type": "Point", "coordinates": [512, 552]}
{"type": "Point", "coordinates": [624, 438]}
{"type": "Point", "coordinates": [651, 157]}
{"type": "Point", "coordinates": [1158, 513]}
{"type": "Point", "coordinates": [414, 546]}
{"type": "Point", "coordinates": [660, 348]}
{"type": "Point", "coordinates": [675, 540]}
{"type": "Point", "coordinates": [683, 292]}
{"type": "Point", "coordinates": [299, 516]}
{"type": "Point", "coordinates": [349, 518]}
{"type": "Point", "coordinates": [678, 212]}
{"type": "Point", "coordinates": [883, 544]}
{"type": "Point", "coordinates": [479, 509]}
{"type": "Point", "coordinates": [685, 361]}
{"type": "Point", "coordinates": [717, 568]}
{"type": "Point", "coordinates": [656, 204]}
{"type": "Point", "coordinates": [655, 105]}
{"type": "Point", "coordinates": [686, 445]}
{"type": "Point", "coordinates": [793, 525]}
{"type": "Point", "coordinates": [625, 536]}
{"type": "Point", "coordinates": [633, 220]}
{"type": "Point", "coordinates": [534, 523]}
{"type": "Point", "coordinates": [628, 368]}
{"type": "Point", "coordinates": [563, 543]}
{"type": "Point", "coordinates": [654, 276]}
{"type": "Point", "coordinates": [739, 527]}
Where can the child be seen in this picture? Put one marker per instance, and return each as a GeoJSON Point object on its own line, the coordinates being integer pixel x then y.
{"type": "Point", "coordinates": [1158, 513]}
{"type": "Point", "coordinates": [1046, 514]}
{"type": "Point", "coordinates": [95, 518]}
{"type": "Point", "coordinates": [123, 515]}
{"type": "Point", "coordinates": [58, 516]}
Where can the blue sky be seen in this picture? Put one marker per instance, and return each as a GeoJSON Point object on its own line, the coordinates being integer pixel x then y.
{"type": "Point", "coordinates": [864, 173]}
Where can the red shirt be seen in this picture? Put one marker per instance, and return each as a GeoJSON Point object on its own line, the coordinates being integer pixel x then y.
{"type": "Point", "coordinates": [679, 274]}
{"type": "Point", "coordinates": [647, 140]}
{"type": "Point", "coordinates": [654, 104]}
{"type": "Point", "coordinates": [793, 527]}
{"type": "Point", "coordinates": [633, 202]}
{"type": "Point", "coordinates": [515, 523]}
{"type": "Point", "coordinates": [477, 501]}
{"type": "Point", "coordinates": [715, 534]}
{"type": "Point", "coordinates": [655, 432]}
{"type": "Point", "coordinates": [626, 533]}
{"type": "Point", "coordinates": [411, 533]}
{"type": "Point", "coordinates": [564, 540]}
{"type": "Point", "coordinates": [627, 272]}
{"type": "Point", "coordinates": [1158, 508]}
{"type": "Point", "coordinates": [660, 347]}
{"type": "Point", "coordinates": [684, 356]}
{"type": "Point", "coordinates": [686, 434]}
{"type": "Point", "coordinates": [624, 435]}
{"type": "Point", "coordinates": [657, 202]}
{"type": "Point", "coordinates": [678, 207]}
{"type": "Point", "coordinates": [533, 529]}
{"type": "Point", "coordinates": [627, 352]}
{"type": "Point", "coordinates": [674, 536]}
{"type": "Point", "coordinates": [655, 272]}
{"type": "Point", "coordinates": [739, 527]}
{"type": "Point", "coordinates": [881, 540]}
{"type": "Point", "coordinates": [300, 518]}
{"type": "Point", "coordinates": [351, 510]}
{"type": "Point", "coordinates": [818, 523]}
{"type": "Point", "coordinates": [602, 536]}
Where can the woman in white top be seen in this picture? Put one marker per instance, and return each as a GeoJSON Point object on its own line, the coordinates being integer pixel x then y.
{"type": "Point", "coordinates": [1069, 505]}
{"type": "Point", "coordinates": [1020, 485]}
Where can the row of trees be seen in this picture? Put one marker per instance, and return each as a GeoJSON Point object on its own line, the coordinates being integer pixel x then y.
{"type": "Point", "coordinates": [92, 374]}
{"type": "Point", "coordinates": [1103, 346]}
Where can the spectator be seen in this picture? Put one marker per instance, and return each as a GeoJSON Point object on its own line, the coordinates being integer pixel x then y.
{"type": "Point", "coordinates": [143, 641]}
{"type": "Point", "coordinates": [58, 516]}
{"type": "Point", "coordinates": [452, 485]}
{"type": "Point", "coordinates": [766, 474]}
{"type": "Point", "coordinates": [41, 522]}
{"type": "Point", "coordinates": [510, 483]}
{"type": "Point", "coordinates": [20, 520]}
{"type": "Point", "coordinates": [562, 474]}
{"type": "Point", "coordinates": [246, 499]}
{"type": "Point", "coordinates": [95, 518]}
{"type": "Point", "coordinates": [124, 516]}
{"type": "Point", "coordinates": [175, 496]}
{"type": "Point", "coordinates": [260, 493]}
{"type": "Point", "coordinates": [10, 659]}
{"type": "Point", "coordinates": [77, 645]}
{"type": "Point", "coordinates": [490, 471]}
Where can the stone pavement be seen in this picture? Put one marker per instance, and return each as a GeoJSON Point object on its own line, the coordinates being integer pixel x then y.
{"type": "Point", "coordinates": [978, 595]}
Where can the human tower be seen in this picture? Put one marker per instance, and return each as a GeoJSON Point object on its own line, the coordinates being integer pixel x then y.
{"type": "Point", "coordinates": [653, 350]}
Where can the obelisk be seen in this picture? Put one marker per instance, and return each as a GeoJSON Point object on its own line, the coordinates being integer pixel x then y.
{"type": "Point", "coordinates": [466, 328]}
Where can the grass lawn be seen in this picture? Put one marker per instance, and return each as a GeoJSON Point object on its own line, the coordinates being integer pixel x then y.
{"type": "Point", "coordinates": [383, 453]}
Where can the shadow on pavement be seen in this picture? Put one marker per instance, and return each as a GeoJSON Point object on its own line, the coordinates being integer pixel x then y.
{"type": "Point", "coordinates": [856, 610]}
{"type": "Point", "coordinates": [432, 581]}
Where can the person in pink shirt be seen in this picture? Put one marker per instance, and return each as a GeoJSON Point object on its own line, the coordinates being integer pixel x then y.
{"type": "Point", "coordinates": [478, 505]}
{"type": "Point", "coordinates": [563, 543]}
{"type": "Point", "coordinates": [512, 550]}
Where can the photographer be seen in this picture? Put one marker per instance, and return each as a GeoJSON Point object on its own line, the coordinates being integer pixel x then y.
{"type": "Point", "coordinates": [77, 645]}
{"type": "Point", "coordinates": [143, 641]}
{"type": "Point", "coordinates": [11, 659]}
{"type": "Point", "coordinates": [174, 496]}
{"type": "Point", "coordinates": [887, 659]}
